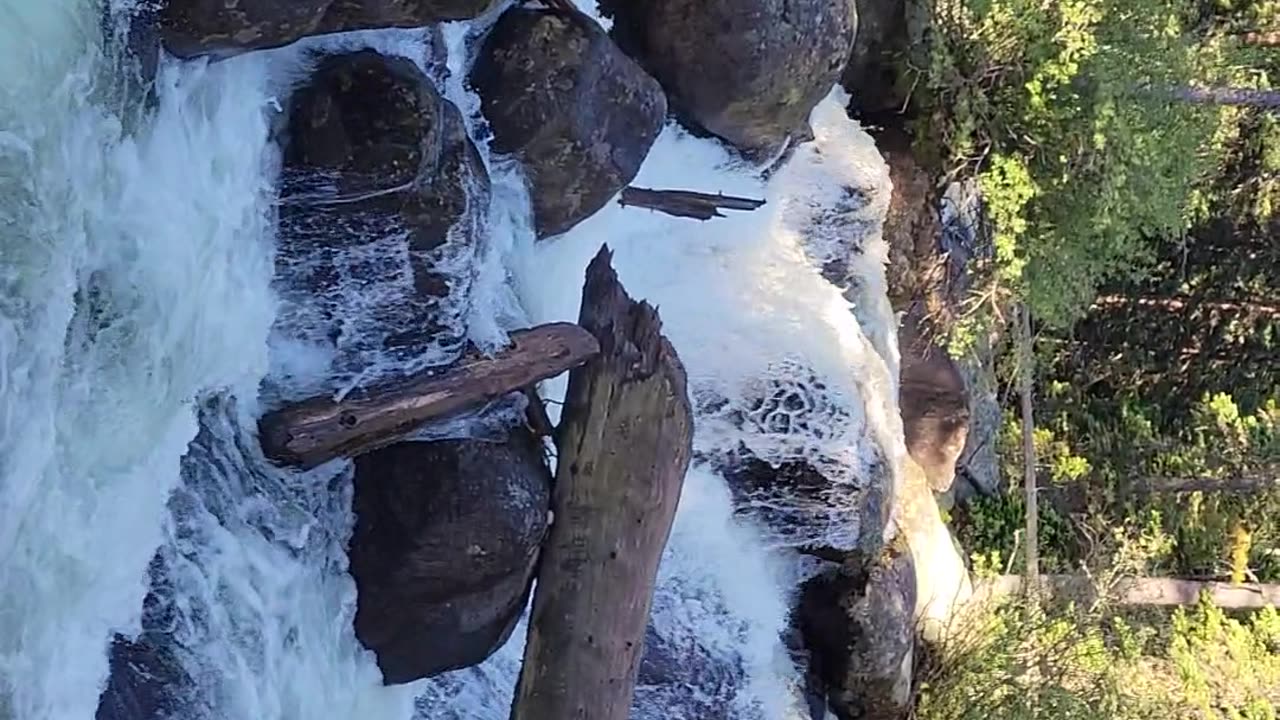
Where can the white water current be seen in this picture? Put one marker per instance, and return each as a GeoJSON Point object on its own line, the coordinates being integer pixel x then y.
{"type": "Point", "coordinates": [136, 315]}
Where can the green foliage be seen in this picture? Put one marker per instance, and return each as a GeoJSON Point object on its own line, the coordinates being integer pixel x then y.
{"type": "Point", "coordinates": [1227, 668]}
{"type": "Point", "coordinates": [1018, 659]}
{"type": "Point", "coordinates": [1015, 660]}
{"type": "Point", "coordinates": [1099, 457]}
{"type": "Point", "coordinates": [1064, 113]}
{"type": "Point", "coordinates": [992, 528]}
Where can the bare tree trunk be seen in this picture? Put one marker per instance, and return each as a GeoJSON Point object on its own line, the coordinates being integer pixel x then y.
{"type": "Point", "coordinates": [1267, 38]}
{"type": "Point", "coordinates": [1244, 484]}
{"type": "Point", "coordinates": [1247, 97]}
{"type": "Point", "coordinates": [1178, 304]}
{"type": "Point", "coordinates": [624, 446]}
{"type": "Point", "coordinates": [320, 429]}
{"type": "Point", "coordinates": [1157, 592]}
{"type": "Point", "coordinates": [1029, 445]}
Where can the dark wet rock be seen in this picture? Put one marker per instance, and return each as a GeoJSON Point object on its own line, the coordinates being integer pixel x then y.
{"type": "Point", "coordinates": [748, 71]}
{"type": "Point", "coordinates": [800, 494]}
{"type": "Point", "coordinates": [444, 547]}
{"type": "Point", "coordinates": [859, 626]}
{"type": "Point", "coordinates": [934, 404]}
{"type": "Point", "coordinates": [147, 679]}
{"type": "Point", "coordinates": [682, 678]}
{"type": "Point", "coordinates": [225, 27]}
{"type": "Point", "coordinates": [382, 203]}
{"type": "Point", "coordinates": [801, 506]}
{"type": "Point", "coordinates": [579, 114]}
{"type": "Point", "coordinates": [892, 38]}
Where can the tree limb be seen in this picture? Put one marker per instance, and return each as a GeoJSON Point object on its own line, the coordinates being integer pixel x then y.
{"type": "Point", "coordinates": [315, 431]}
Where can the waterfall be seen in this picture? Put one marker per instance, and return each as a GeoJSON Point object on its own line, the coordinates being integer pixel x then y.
{"type": "Point", "coordinates": [138, 518]}
{"type": "Point", "coordinates": [134, 271]}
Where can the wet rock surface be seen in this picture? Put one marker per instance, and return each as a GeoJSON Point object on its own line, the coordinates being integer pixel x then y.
{"type": "Point", "coordinates": [859, 626]}
{"type": "Point", "coordinates": [935, 405]}
{"type": "Point", "coordinates": [748, 71]}
{"type": "Point", "coordinates": [383, 202]}
{"type": "Point", "coordinates": [444, 547]}
{"type": "Point", "coordinates": [147, 680]}
{"type": "Point", "coordinates": [802, 507]}
{"type": "Point", "coordinates": [578, 113]}
{"type": "Point", "coordinates": [227, 27]}
{"type": "Point", "coordinates": [680, 675]}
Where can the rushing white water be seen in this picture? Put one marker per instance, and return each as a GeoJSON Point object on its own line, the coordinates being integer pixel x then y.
{"type": "Point", "coordinates": [135, 310]}
{"type": "Point", "coordinates": [134, 268]}
{"type": "Point", "coordinates": [777, 361]}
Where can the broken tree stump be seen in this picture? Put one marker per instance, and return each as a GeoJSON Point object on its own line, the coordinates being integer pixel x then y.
{"type": "Point", "coordinates": [686, 203]}
{"type": "Point", "coordinates": [624, 445]}
{"type": "Point", "coordinates": [315, 431]}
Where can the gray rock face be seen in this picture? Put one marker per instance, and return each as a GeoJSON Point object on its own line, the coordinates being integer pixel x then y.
{"type": "Point", "coordinates": [748, 71]}
{"type": "Point", "coordinates": [383, 199]}
{"type": "Point", "coordinates": [579, 114]}
{"type": "Point", "coordinates": [859, 626]}
{"type": "Point", "coordinates": [227, 27]}
{"type": "Point", "coordinates": [935, 406]}
{"type": "Point", "coordinates": [443, 552]}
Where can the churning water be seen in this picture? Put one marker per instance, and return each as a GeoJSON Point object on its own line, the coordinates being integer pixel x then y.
{"type": "Point", "coordinates": [136, 314]}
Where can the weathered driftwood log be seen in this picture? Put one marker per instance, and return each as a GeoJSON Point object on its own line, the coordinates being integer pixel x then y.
{"type": "Point", "coordinates": [624, 446]}
{"type": "Point", "coordinates": [317, 430]}
{"type": "Point", "coordinates": [1244, 483]}
{"type": "Point", "coordinates": [686, 203]}
{"type": "Point", "coordinates": [1141, 591]}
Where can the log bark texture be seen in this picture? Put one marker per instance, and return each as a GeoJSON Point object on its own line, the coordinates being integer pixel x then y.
{"type": "Point", "coordinates": [1026, 345]}
{"type": "Point", "coordinates": [1154, 592]}
{"type": "Point", "coordinates": [624, 446]}
{"type": "Point", "coordinates": [686, 203]}
{"type": "Point", "coordinates": [315, 431]}
{"type": "Point", "coordinates": [1242, 484]}
{"type": "Point", "coordinates": [1240, 97]}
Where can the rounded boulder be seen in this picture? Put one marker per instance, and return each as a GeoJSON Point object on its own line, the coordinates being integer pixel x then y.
{"type": "Point", "coordinates": [383, 202]}
{"type": "Point", "coordinates": [748, 71]}
{"type": "Point", "coordinates": [578, 113]}
{"type": "Point", "coordinates": [228, 27]}
{"type": "Point", "coordinates": [443, 552]}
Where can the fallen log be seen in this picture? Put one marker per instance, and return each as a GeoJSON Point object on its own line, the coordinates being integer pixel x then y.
{"type": "Point", "coordinates": [686, 203]}
{"type": "Point", "coordinates": [315, 431]}
{"type": "Point", "coordinates": [624, 445]}
{"type": "Point", "coordinates": [1242, 484]}
{"type": "Point", "coordinates": [1155, 592]}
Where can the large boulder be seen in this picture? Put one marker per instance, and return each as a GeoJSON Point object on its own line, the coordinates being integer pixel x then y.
{"type": "Point", "coordinates": [579, 114]}
{"type": "Point", "coordinates": [444, 547]}
{"type": "Point", "coordinates": [934, 404]}
{"type": "Point", "coordinates": [225, 27]}
{"type": "Point", "coordinates": [748, 71]}
{"type": "Point", "coordinates": [383, 200]}
{"type": "Point", "coordinates": [859, 626]}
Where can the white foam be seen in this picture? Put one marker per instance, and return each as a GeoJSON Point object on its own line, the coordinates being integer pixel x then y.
{"type": "Point", "coordinates": [171, 228]}
{"type": "Point", "coordinates": [745, 303]}
{"type": "Point", "coordinates": [133, 277]}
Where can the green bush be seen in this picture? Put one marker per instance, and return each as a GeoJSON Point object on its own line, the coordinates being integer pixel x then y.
{"type": "Point", "coordinates": [1019, 659]}
{"type": "Point", "coordinates": [1064, 113]}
